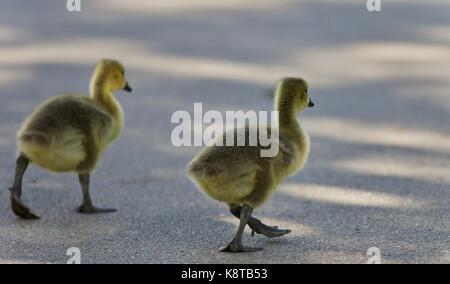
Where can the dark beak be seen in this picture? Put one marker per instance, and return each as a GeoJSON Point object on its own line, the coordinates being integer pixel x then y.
{"type": "Point", "coordinates": [310, 104]}
{"type": "Point", "coordinates": [127, 88]}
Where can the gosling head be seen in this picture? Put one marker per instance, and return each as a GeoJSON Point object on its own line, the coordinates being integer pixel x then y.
{"type": "Point", "coordinates": [111, 73]}
{"type": "Point", "coordinates": [293, 93]}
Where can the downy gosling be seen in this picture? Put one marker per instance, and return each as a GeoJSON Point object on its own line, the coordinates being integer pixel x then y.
{"type": "Point", "coordinates": [240, 177]}
{"type": "Point", "coordinates": [69, 133]}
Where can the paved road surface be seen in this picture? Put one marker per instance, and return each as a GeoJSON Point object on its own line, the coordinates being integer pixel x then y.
{"type": "Point", "coordinates": [379, 170]}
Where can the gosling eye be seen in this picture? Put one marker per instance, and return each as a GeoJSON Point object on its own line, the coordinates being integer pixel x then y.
{"type": "Point", "coordinates": [119, 75]}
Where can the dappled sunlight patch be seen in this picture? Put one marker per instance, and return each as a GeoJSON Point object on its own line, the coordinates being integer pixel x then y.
{"type": "Point", "coordinates": [395, 167]}
{"type": "Point", "coordinates": [298, 229]}
{"type": "Point", "coordinates": [436, 32]}
{"type": "Point", "coordinates": [347, 196]}
{"type": "Point", "coordinates": [323, 66]}
{"type": "Point", "coordinates": [211, 68]}
{"type": "Point", "coordinates": [380, 134]}
{"type": "Point", "coordinates": [373, 61]}
{"type": "Point", "coordinates": [67, 51]}
{"type": "Point", "coordinates": [176, 7]}
{"type": "Point", "coordinates": [141, 58]}
{"type": "Point", "coordinates": [400, 52]}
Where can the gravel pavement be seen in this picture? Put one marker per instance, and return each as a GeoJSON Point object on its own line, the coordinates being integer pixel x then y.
{"type": "Point", "coordinates": [379, 169]}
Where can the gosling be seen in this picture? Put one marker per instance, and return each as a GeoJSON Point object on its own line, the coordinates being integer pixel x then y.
{"type": "Point", "coordinates": [240, 177]}
{"type": "Point", "coordinates": [69, 133]}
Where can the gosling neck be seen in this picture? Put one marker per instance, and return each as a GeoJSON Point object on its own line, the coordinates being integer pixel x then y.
{"type": "Point", "coordinates": [101, 94]}
{"type": "Point", "coordinates": [287, 115]}
{"type": "Point", "coordinates": [290, 127]}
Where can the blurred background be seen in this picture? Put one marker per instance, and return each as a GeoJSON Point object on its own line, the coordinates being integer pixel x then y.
{"type": "Point", "coordinates": [379, 169]}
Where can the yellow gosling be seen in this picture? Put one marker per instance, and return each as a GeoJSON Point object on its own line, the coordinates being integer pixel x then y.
{"type": "Point", "coordinates": [242, 178]}
{"type": "Point", "coordinates": [69, 133]}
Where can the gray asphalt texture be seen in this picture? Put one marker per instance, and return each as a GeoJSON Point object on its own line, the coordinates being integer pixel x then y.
{"type": "Point", "coordinates": [379, 168]}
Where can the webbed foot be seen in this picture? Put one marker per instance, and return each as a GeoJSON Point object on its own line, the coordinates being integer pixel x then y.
{"type": "Point", "coordinates": [259, 227]}
{"type": "Point", "coordinates": [89, 209]}
{"type": "Point", "coordinates": [236, 244]}
{"type": "Point", "coordinates": [19, 209]}
{"type": "Point", "coordinates": [271, 232]}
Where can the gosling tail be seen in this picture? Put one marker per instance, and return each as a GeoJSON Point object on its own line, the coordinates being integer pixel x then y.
{"type": "Point", "coordinates": [35, 138]}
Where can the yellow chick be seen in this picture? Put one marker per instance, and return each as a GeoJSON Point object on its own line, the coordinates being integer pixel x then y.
{"type": "Point", "coordinates": [69, 133]}
{"type": "Point", "coordinates": [242, 178]}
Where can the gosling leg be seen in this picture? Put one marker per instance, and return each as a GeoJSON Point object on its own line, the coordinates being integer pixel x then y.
{"type": "Point", "coordinates": [259, 227]}
{"type": "Point", "coordinates": [87, 206]}
{"type": "Point", "coordinates": [17, 206]}
{"type": "Point", "coordinates": [236, 244]}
